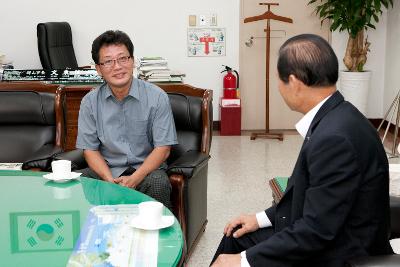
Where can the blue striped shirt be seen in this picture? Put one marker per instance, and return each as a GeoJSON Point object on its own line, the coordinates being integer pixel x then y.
{"type": "Point", "coordinates": [125, 132]}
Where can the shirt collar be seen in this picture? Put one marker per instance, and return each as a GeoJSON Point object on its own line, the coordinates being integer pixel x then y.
{"type": "Point", "coordinates": [305, 122]}
{"type": "Point", "coordinates": [133, 90]}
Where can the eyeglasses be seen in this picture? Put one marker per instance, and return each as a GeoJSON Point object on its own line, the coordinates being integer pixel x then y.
{"type": "Point", "coordinates": [110, 63]}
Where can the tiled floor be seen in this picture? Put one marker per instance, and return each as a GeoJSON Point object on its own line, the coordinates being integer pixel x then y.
{"type": "Point", "coordinates": [238, 176]}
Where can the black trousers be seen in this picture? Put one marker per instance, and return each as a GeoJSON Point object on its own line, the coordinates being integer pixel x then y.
{"type": "Point", "coordinates": [231, 245]}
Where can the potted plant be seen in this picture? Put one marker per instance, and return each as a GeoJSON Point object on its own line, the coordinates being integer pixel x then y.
{"type": "Point", "coordinates": [353, 16]}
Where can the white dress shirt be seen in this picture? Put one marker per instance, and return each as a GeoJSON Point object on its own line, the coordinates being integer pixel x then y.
{"type": "Point", "coordinates": [301, 127]}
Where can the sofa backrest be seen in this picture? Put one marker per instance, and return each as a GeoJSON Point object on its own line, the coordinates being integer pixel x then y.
{"type": "Point", "coordinates": [27, 122]}
{"type": "Point", "coordinates": [32, 116]}
{"type": "Point", "coordinates": [188, 123]}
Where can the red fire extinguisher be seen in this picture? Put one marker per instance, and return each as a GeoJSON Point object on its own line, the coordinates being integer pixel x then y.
{"type": "Point", "coordinates": [231, 83]}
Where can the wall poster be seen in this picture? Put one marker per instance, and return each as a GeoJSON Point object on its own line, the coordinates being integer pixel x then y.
{"type": "Point", "coordinates": [206, 42]}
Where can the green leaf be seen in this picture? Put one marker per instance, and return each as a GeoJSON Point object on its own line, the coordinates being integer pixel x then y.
{"type": "Point", "coordinates": [360, 67]}
{"type": "Point", "coordinates": [352, 16]}
{"type": "Point", "coordinates": [377, 4]}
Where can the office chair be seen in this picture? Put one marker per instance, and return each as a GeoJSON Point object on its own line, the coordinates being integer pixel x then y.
{"type": "Point", "coordinates": [55, 46]}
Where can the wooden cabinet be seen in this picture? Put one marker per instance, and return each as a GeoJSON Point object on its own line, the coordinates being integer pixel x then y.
{"type": "Point", "coordinates": [75, 93]}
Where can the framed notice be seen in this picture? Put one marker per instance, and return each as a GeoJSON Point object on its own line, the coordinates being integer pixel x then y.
{"type": "Point", "coordinates": [206, 42]}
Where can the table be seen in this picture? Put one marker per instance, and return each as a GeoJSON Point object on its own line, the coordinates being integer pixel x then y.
{"type": "Point", "coordinates": [27, 200]}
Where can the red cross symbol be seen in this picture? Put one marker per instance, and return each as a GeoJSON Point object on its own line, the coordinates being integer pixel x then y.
{"type": "Point", "coordinates": [207, 40]}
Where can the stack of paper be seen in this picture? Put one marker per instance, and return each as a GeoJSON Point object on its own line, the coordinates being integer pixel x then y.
{"type": "Point", "coordinates": [11, 166]}
{"type": "Point", "coordinates": [155, 69]}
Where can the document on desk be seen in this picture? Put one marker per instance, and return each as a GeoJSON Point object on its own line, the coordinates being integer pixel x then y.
{"type": "Point", "coordinates": [106, 239]}
{"type": "Point", "coordinates": [11, 166]}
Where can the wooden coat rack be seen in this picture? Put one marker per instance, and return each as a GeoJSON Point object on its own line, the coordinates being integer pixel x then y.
{"type": "Point", "coordinates": [267, 16]}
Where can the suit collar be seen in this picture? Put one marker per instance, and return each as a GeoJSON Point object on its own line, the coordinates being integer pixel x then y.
{"type": "Point", "coordinates": [330, 104]}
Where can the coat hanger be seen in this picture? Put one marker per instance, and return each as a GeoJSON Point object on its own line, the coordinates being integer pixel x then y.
{"type": "Point", "coordinates": [268, 15]}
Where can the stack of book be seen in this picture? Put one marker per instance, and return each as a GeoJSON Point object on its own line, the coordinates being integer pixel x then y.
{"type": "Point", "coordinates": [155, 69]}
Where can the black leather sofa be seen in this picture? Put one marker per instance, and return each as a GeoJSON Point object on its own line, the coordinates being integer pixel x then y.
{"type": "Point", "coordinates": [386, 260]}
{"type": "Point", "coordinates": [32, 123]}
{"type": "Point", "coordinates": [188, 161]}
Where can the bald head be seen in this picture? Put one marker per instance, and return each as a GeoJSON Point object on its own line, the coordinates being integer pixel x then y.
{"type": "Point", "coordinates": [310, 58]}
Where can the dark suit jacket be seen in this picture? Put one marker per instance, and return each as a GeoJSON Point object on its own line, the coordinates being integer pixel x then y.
{"type": "Point", "coordinates": [336, 205]}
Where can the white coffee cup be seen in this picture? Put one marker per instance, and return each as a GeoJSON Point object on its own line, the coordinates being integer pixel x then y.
{"type": "Point", "coordinates": [150, 213]}
{"type": "Point", "coordinates": [61, 169]}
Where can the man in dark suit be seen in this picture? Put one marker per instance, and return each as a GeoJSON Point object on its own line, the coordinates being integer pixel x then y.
{"type": "Point", "coordinates": [336, 205]}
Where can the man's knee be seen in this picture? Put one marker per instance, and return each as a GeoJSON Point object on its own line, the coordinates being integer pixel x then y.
{"type": "Point", "coordinates": [159, 182]}
{"type": "Point", "coordinates": [157, 186]}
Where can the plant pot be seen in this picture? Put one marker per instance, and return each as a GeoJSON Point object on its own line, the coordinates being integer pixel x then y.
{"type": "Point", "coordinates": [355, 86]}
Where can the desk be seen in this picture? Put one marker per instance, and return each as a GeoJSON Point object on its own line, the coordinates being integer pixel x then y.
{"type": "Point", "coordinates": [64, 206]}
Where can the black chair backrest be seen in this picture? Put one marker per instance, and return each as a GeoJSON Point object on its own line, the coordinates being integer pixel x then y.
{"type": "Point", "coordinates": [27, 122]}
{"type": "Point", "coordinates": [55, 45]}
{"type": "Point", "coordinates": [188, 123]}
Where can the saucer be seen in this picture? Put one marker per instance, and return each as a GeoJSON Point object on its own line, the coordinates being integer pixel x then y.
{"type": "Point", "coordinates": [52, 177]}
{"type": "Point", "coordinates": [166, 221]}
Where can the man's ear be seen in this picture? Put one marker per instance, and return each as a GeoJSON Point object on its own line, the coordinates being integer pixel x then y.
{"type": "Point", "coordinates": [295, 84]}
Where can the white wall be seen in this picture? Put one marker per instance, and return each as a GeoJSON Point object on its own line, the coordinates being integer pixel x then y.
{"type": "Point", "coordinates": [157, 28]}
{"type": "Point", "coordinates": [392, 65]}
{"type": "Point", "coordinates": [375, 63]}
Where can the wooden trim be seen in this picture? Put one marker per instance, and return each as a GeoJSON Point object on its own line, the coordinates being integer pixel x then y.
{"type": "Point", "coordinates": [30, 86]}
{"type": "Point", "coordinates": [207, 120]}
{"type": "Point", "coordinates": [59, 108]}
{"type": "Point", "coordinates": [182, 88]}
{"type": "Point", "coordinates": [276, 192]}
{"type": "Point", "coordinates": [177, 199]}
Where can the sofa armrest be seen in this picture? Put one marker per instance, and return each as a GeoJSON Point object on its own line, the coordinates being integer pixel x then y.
{"type": "Point", "coordinates": [42, 158]}
{"type": "Point", "coordinates": [374, 261]}
{"type": "Point", "coordinates": [75, 156]}
{"type": "Point", "coordinates": [189, 163]}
